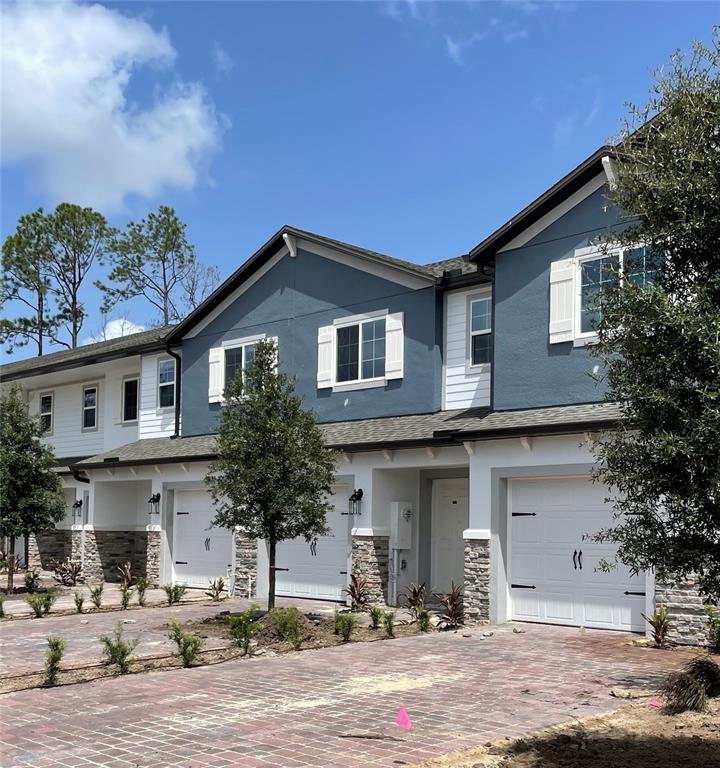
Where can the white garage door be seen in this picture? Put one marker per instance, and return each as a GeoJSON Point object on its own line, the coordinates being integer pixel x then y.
{"type": "Point", "coordinates": [553, 568]}
{"type": "Point", "coordinates": [317, 570]}
{"type": "Point", "coordinates": [200, 552]}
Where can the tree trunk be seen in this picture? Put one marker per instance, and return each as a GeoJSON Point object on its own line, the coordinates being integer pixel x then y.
{"type": "Point", "coordinates": [11, 566]}
{"type": "Point", "coordinates": [271, 575]}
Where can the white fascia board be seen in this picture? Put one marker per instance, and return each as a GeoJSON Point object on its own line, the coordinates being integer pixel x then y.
{"type": "Point", "coordinates": [552, 216]}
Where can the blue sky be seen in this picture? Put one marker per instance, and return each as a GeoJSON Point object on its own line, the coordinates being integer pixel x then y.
{"type": "Point", "coordinates": [410, 128]}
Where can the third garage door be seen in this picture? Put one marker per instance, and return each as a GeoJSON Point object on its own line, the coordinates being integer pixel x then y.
{"type": "Point", "coordinates": [554, 576]}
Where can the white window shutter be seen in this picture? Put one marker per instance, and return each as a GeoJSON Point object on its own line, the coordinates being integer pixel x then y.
{"type": "Point", "coordinates": [216, 378]}
{"type": "Point", "coordinates": [562, 300]}
{"type": "Point", "coordinates": [326, 336]}
{"type": "Point", "coordinates": [394, 346]}
{"type": "Point", "coordinates": [119, 403]}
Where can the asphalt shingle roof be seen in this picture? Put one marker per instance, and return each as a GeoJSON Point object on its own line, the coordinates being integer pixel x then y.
{"type": "Point", "coordinates": [446, 265]}
{"type": "Point", "coordinates": [444, 427]}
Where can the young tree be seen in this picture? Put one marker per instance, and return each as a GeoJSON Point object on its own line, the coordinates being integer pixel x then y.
{"type": "Point", "coordinates": [153, 259]}
{"type": "Point", "coordinates": [26, 279]}
{"type": "Point", "coordinates": [273, 473]}
{"type": "Point", "coordinates": [31, 498]}
{"type": "Point", "coordinates": [659, 339]}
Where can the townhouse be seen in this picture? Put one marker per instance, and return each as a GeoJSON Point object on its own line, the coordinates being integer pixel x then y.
{"type": "Point", "coordinates": [461, 396]}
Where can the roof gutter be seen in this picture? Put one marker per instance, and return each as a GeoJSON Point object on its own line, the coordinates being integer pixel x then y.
{"type": "Point", "coordinates": [77, 476]}
{"type": "Point", "coordinates": [178, 385]}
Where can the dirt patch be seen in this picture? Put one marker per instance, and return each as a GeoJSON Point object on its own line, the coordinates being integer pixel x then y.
{"type": "Point", "coordinates": [635, 737]}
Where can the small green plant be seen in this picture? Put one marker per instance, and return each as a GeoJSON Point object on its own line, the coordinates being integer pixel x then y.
{"type": "Point", "coordinates": [713, 618]}
{"type": "Point", "coordinates": [96, 594]}
{"type": "Point", "coordinates": [454, 615]}
{"type": "Point", "coordinates": [243, 628]}
{"type": "Point", "coordinates": [707, 672]}
{"type": "Point", "coordinates": [414, 597]}
{"type": "Point", "coordinates": [345, 624]}
{"type": "Point", "coordinates": [358, 593]}
{"type": "Point", "coordinates": [126, 574]}
{"type": "Point", "coordinates": [53, 657]}
{"type": "Point", "coordinates": [216, 589]}
{"type": "Point", "coordinates": [174, 592]}
{"type": "Point", "coordinates": [41, 603]}
{"type": "Point", "coordinates": [188, 645]}
{"type": "Point", "coordinates": [423, 619]}
{"type": "Point", "coordinates": [376, 614]}
{"type": "Point", "coordinates": [126, 592]}
{"type": "Point", "coordinates": [142, 587]}
{"type": "Point", "coordinates": [32, 579]}
{"type": "Point", "coordinates": [67, 573]}
{"type": "Point", "coordinates": [389, 623]}
{"type": "Point", "coordinates": [659, 621]}
{"type": "Point", "coordinates": [79, 601]}
{"type": "Point", "coordinates": [117, 650]}
{"type": "Point", "coordinates": [289, 625]}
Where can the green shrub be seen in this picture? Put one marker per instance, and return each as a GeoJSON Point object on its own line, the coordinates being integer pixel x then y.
{"type": "Point", "coordinates": [345, 623]}
{"type": "Point", "coordinates": [358, 592]}
{"type": "Point", "coordinates": [117, 650]}
{"type": "Point", "coordinates": [414, 597]}
{"type": "Point", "coordinates": [660, 623]}
{"type": "Point", "coordinates": [452, 601]}
{"type": "Point", "coordinates": [713, 619]}
{"type": "Point", "coordinates": [53, 657]}
{"type": "Point", "coordinates": [142, 587]}
{"type": "Point", "coordinates": [243, 628]}
{"type": "Point", "coordinates": [174, 592]}
{"type": "Point", "coordinates": [79, 601]}
{"type": "Point", "coordinates": [125, 594]}
{"type": "Point", "coordinates": [389, 623]}
{"type": "Point", "coordinates": [683, 693]}
{"type": "Point", "coordinates": [376, 615]}
{"type": "Point", "coordinates": [423, 619]}
{"type": "Point", "coordinates": [188, 645]}
{"type": "Point", "coordinates": [216, 589]}
{"type": "Point", "coordinates": [289, 623]}
{"type": "Point", "coordinates": [96, 594]}
{"type": "Point", "coordinates": [32, 579]}
{"type": "Point", "coordinates": [707, 672]}
{"type": "Point", "coordinates": [41, 603]}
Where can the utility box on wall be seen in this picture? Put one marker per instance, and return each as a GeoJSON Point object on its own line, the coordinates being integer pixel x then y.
{"type": "Point", "coordinates": [401, 516]}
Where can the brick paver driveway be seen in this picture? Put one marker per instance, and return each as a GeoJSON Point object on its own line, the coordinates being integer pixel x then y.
{"type": "Point", "coordinates": [310, 708]}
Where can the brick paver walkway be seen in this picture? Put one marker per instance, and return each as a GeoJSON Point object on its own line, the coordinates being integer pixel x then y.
{"type": "Point", "coordinates": [297, 710]}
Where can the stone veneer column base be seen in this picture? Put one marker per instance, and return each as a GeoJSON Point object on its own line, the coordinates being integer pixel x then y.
{"type": "Point", "coordinates": [370, 555]}
{"type": "Point", "coordinates": [152, 557]}
{"type": "Point", "coordinates": [245, 565]}
{"type": "Point", "coordinates": [476, 595]}
{"type": "Point", "coordinates": [688, 621]}
{"type": "Point", "coordinates": [104, 551]}
{"type": "Point", "coordinates": [47, 546]}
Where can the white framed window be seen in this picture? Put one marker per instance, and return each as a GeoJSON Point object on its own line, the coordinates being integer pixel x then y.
{"type": "Point", "coordinates": [166, 383]}
{"type": "Point", "coordinates": [225, 361]}
{"type": "Point", "coordinates": [238, 358]}
{"type": "Point", "coordinates": [479, 331]}
{"type": "Point", "coordinates": [90, 407]}
{"type": "Point", "coordinates": [360, 351]}
{"type": "Point", "coordinates": [130, 399]}
{"type": "Point", "coordinates": [47, 406]}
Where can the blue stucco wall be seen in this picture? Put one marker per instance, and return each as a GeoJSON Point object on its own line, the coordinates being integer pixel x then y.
{"type": "Point", "coordinates": [291, 301]}
{"type": "Point", "coordinates": [528, 370]}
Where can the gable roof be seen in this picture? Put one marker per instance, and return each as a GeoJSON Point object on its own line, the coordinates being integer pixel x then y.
{"type": "Point", "coordinates": [122, 346]}
{"type": "Point", "coordinates": [484, 251]}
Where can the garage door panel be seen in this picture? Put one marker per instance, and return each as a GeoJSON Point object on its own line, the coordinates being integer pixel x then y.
{"type": "Point", "coordinates": [559, 606]}
{"type": "Point", "coordinates": [557, 568]}
{"type": "Point", "coordinates": [527, 607]}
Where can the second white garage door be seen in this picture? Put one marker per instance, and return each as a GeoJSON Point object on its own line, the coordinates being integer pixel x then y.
{"type": "Point", "coordinates": [319, 570]}
{"type": "Point", "coordinates": [554, 576]}
{"type": "Point", "coordinates": [200, 552]}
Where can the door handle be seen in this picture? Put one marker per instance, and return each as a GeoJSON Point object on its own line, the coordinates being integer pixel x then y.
{"type": "Point", "coordinates": [575, 559]}
{"type": "Point", "coordinates": [580, 559]}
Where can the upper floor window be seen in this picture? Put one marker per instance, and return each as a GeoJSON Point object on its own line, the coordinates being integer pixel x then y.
{"type": "Point", "coordinates": [361, 351]}
{"type": "Point", "coordinates": [166, 383]}
{"type": "Point", "coordinates": [130, 399]}
{"type": "Point", "coordinates": [47, 400]}
{"type": "Point", "coordinates": [238, 359]}
{"type": "Point", "coordinates": [228, 360]}
{"type": "Point", "coordinates": [480, 331]}
{"type": "Point", "coordinates": [90, 407]}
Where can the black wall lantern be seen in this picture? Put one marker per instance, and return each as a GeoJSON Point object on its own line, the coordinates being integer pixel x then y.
{"type": "Point", "coordinates": [154, 504]}
{"type": "Point", "coordinates": [355, 502]}
{"type": "Point", "coordinates": [77, 509]}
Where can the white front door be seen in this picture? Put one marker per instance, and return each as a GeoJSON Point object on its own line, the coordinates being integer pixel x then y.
{"type": "Point", "coordinates": [554, 576]}
{"type": "Point", "coordinates": [449, 520]}
{"type": "Point", "coordinates": [201, 552]}
{"type": "Point", "coordinates": [317, 569]}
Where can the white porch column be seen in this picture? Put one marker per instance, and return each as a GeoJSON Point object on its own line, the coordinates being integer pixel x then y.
{"type": "Point", "coordinates": [477, 539]}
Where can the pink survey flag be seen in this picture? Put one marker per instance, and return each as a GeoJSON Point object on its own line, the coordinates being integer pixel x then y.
{"type": "Point", "coordinates": [403, 720]}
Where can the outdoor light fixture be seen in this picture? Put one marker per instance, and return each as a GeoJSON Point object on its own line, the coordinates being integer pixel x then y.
{"type": "Point", "coordinates": [154, 504]}
{"type": "Point", "coordinates": [77, 508]}
{"type": "Point", "coordinates": [355, 502]}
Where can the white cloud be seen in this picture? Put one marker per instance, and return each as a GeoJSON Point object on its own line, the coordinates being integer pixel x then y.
{"type": "Point", "coordinates": [114, 329]}
{"type": "Point", "coordinates": [222, 60]}
{"type": "Point", "coordinates": [67, 117]}
{"type": "Point", "coordinates": [457, 48]}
